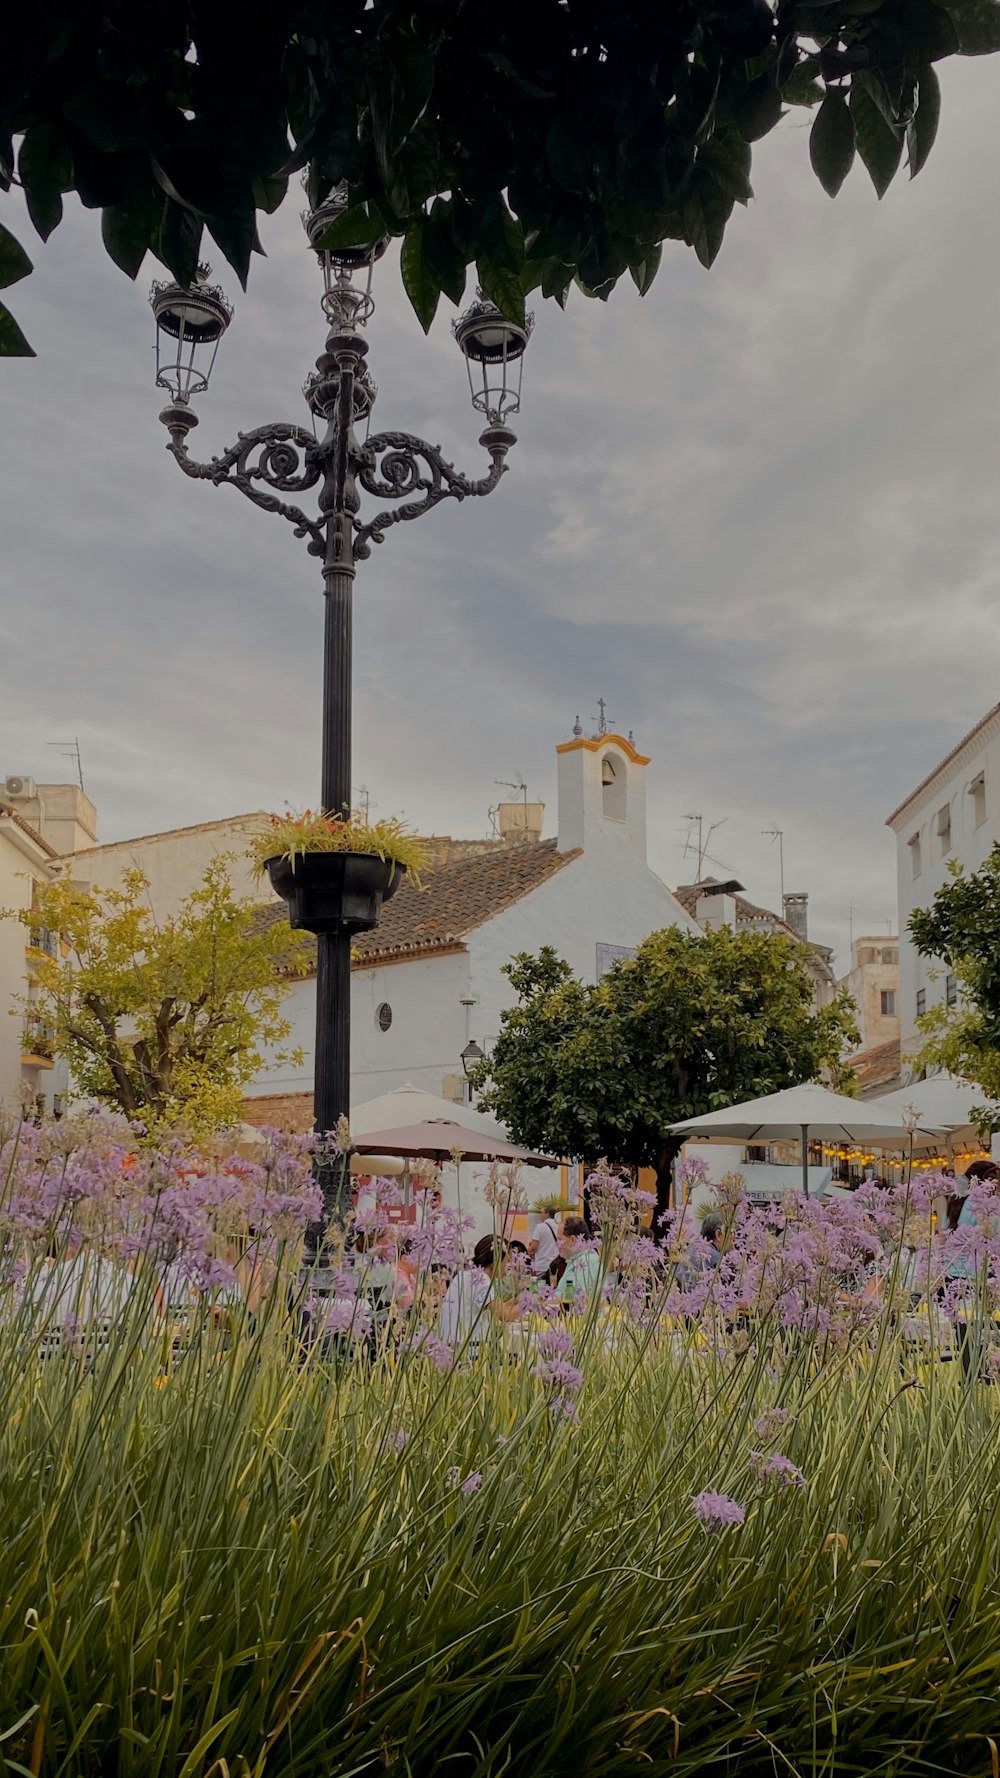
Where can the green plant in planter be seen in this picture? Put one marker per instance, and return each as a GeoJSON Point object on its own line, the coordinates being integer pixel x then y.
{"type": "Point", "coordinates": [548, 1202]}
{"type": "Point", "coordinates": [292, 836]}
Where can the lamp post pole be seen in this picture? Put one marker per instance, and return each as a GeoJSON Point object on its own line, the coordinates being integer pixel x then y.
{"type": "Point", "coordinates": [283, 458]}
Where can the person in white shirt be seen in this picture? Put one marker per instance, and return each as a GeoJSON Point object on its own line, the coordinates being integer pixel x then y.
{"type": "Point", "coordinates": [543, 1248]}
{"type": "Point", "coordinates": [464, 1317]}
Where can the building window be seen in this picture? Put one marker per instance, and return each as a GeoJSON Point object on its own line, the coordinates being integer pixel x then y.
{"type": "Point", "coordinates": [950, 991]}
{"type": "Point", "coordinates": [613, 787]}
{"type": "Point", "coordinates": [888, 999]}
{"type": "Point", "coordinates": [383, 1016]}
{"type": "Point", "coordinates": [890, 954]}
{"type": "Point", "coordinates": [944, 829]}
{"type": "Point", "coordinates": [914, 844]}
{"type": "Point", "coordinates": [977, 791]}
{"type": "Point", "coordinates": [921, 1002]}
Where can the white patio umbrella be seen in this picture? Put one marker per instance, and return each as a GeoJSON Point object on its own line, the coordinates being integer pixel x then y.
{"type": "Point", "coordinates": [943, 1103]}
{"type": "Point", "coordinates": [801, 1113]}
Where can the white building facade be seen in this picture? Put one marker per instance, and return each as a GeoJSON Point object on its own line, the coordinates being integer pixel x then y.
{"type": "Point", "coordinates": [954, 814]}
{"type": "Point", "coordinates": [430, 978]}
{"type": "Point", "coordinates": [29, 1077]}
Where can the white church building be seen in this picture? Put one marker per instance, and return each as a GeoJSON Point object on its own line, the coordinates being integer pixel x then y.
{"type": "Point", "coordinates": [430, 978]}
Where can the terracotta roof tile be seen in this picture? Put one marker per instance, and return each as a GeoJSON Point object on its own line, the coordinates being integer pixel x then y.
{"type": "Point", "coordinates": [747, 912]}
{"type": "Point", "coordinates": [9, 810]}
{"type": "Point", "coordinates": [877, 1067]}
{"type": "Point", "coordinates": [456, 898]}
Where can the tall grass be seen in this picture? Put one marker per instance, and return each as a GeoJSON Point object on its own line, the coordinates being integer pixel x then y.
{"type": "Point", "coordinates": [225, 1552]}
{"type": "Point", "coordinates": [225, 1558]}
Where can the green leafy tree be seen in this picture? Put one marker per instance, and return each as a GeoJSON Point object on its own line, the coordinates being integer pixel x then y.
{"type": "Point", "coordinates": [164, 1020]}
{"type": "Point", "coordinates": [961, 931]}
{"type": "Point", "coordinates": [690, 1024]}
{"type": "Point", "coordinates": [542, 141]}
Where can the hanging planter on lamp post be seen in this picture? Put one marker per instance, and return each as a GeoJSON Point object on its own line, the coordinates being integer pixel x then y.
{"type": "Point", "coordinates": [336, 872]}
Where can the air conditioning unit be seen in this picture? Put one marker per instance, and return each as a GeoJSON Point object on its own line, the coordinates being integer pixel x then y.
{"type": "Point", "coordinates": [20, 790]}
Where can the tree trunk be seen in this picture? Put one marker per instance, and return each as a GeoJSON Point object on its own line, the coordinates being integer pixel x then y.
{"type": "Point", "coordinates": [664, 1165]}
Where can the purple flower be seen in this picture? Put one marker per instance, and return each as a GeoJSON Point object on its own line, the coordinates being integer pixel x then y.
{"type": "Point", "coordinates": [558, 1373]}
{"type": "Point", "coordinates": [556, 1342]}
{"type": "Point", "coordinates": [348, 1314]}
{"type": "Point", "coordinates": [716, 1511]}
{"type": "Point", "coordinates": [778, 1468]}
{"type": "Point", "coordinates": [400, 1440]}
{"type": "Point", "coordinates": [769, 1421]}
{"type": "Point", "coordinates": [472, 1483]}
{"type": "Point", "coordinates": [563, 1407]}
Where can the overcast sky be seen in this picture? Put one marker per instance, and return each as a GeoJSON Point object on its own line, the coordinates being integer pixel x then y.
{"type": "Point", "coordinates": [758, 512]}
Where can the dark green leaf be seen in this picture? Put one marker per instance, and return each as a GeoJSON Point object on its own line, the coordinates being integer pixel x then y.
{"type": "Point", "coordinates": [831, 142]}
{"type": "Point", "coordinates": [924, 123]}
{"type": "Point", "coordinates": [411, 175]}
{"type": "Point", "coordinates": [235, 231]}
{"type": "Point", "coordinates": [46, 169]}
{"type": "Point", "coordinates": [419, 282]}
{"type": "Point", "coordinates": [705, 216]}
{"type": "Point", "coordinates": [642, 275]}
{"type": "Point", "coordinates": [557, 280]}
{"type": "Point", "coordinates": [400, 95]}
{"type": "Point", "coordinates": [108, 115]}
{"type": "Point", "coordinates": [444, 256]}
{"type": "Point", "coordinates": [499, 235]}
{"type": "Point", "coordinates": [879, 145]}
{"type": "Point", "coordinates": [356, 227]}
{"type": "Point", "coordinates": [126, 237]}
{"type": "Point", "coordinates": [801, 86]}
{"type": "Point", "coordinates": [569, 151]}
{"type": "Point", "coordinates": [503, 287]}
{"type": "Point", "coordinates": [268, 193]}
{"type": "Point", "coordinates": [726, 159]}
{"type": "Point", "coordinates": [12, 341]}
{"type": "Point", "coordinates": [179, 242]}
{"type": "Point", "coordinates": [759, 109]}
{"type": "Point", "coordinates": [14, 262]}
{"type": "Point", "coordinates": [977, 25]}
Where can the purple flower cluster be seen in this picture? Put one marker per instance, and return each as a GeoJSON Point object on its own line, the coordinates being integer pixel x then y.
{"type": "Point", "coordinates": [89, 1183]}
{"type": "Point", "coordinates": [717, 1511]}
{"type": "Point", "coordinates": [777, 1468]}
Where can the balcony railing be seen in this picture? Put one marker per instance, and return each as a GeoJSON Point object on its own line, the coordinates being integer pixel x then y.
{"type": "Point", "coordinates": [41, 939]}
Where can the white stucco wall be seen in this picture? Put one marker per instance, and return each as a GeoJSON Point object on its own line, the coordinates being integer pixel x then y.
{"type": "Point", "coordinates": [423, 1043]}
{"type": "Point", "coordinates": [21, 863]}
{"type": "Point", "coordinates": [970, 844]}
{"type": "Point", "coordinates": [175, 863]}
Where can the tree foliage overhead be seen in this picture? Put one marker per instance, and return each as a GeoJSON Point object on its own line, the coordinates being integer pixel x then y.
{"type": "Point", "coordinates": [690, 1024]}
{"type": "Point", "coordinates": [542, 141]}
{"type": "Point", "coordinates": [165, 1020]}
{"type": "Point", "coordinates": [961, 930]}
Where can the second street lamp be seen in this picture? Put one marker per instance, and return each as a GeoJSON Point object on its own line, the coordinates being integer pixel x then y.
{"type": "Point", "coordinates": [282, 458]}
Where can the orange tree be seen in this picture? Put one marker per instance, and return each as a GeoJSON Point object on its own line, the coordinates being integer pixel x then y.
{"type": "Point", "coordinates": [542, 141]}
{"type": "Point", "coordinates": [690, 1024]}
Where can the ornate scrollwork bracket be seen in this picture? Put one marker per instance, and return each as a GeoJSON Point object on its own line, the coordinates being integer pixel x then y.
{"type": "Point", "coordinates": [281, 456]}
{"type": "Point", "coordinates": [394, 465]}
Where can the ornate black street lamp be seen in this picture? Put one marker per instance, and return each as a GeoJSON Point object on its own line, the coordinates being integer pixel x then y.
{"type": "Point", "coordinates": [286, 459]}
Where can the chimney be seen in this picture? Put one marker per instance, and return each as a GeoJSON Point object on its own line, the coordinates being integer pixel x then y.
{"type": "Point", "coordinates": [713, 911]}
{"type": "Point", "coordinates": [520, 822]}
{"type": "Point", "coordinates": [796, 909]}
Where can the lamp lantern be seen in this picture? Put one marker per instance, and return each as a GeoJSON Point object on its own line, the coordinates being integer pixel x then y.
{"type": "Point", "coordinates": [190, 322]}
{"type": "Point", "coordinates": [470, 1055]}
{"type": "Point", "coordinates": [493, 349]}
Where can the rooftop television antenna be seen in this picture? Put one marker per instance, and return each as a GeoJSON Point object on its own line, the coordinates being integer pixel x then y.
{"type": "Point", "coordinates": [71, 750]}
